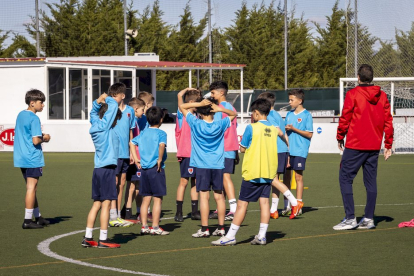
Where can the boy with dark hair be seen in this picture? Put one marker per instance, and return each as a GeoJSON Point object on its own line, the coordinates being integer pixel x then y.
{"type": "Point", "coordinates": [218, 90]}
{"type": "Point", "coordinates": [299, 128]}
{"type": "Point", "coordinates": [124, 131]}
{"type": "Point", "coordinates": [282, 155]}
{"type": "Point", "coordinates": [151, 145]}
{"type": "Point", "coordinates": [259, 169]}
{"type": "Point", "coordinates": [207, 156]}
{"type": "Point", "coordinates": [28, 155]}
{"type": "Point", "coordinates": [183, 140]}
{"type": "Point", "coordinates": [365, 118]}
{"type": "Point", "coordinates": [133, 175]}
{"type": "Point", "coordinates": [103, 117]}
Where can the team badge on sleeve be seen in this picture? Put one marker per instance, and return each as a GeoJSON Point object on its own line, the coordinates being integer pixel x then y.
{"type": "Point", "coordinates": [299, 120]}
{"type": "Point", "coordinates": [190, 170]}
{"type": "Point", "coordinates": [139, 174]}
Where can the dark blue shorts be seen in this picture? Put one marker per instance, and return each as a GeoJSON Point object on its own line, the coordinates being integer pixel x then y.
{"type": "Point", "coordinates": [104, 183]}
{"type": "Point", "coordinates": [209, 179]}
{"type": "Point", "coordinates": [282, 159]}
{"type": "Point", "coordinates": [185, 168]}
{"type": "Point", "coordinates": [122, 166]}
{"type": "Point", "coordinates": [133, 174]}
{"type": "Point", "coordinates": [32, 172]}
{"type": "Point", "coordinates": [251, 192]}
{"type": "Point", "coordinates": [153, 183]}
{"type": "Point", "coordinates": [297, 163]}
{"type": "Point", "coordinates": [229, 165]}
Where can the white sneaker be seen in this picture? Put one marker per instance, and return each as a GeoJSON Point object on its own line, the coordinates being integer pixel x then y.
{"type": "Point", "coordinates": [219, 232]}
{"type": "Point", "coordinates": [201, 234]}
{"type": "Point", "coordinates": [286, 212]}
{"type": "Point", "coordinates": [259, 241]}
{"type": "Point", "coordinates": [346, 224]}
{"type": "Point", "coordinates": [223, 241]}
{"type": "Point", "coordinates": [159, 232]}
{"type": "Point", "coordinates": [366, 223]}
{"type": "Point", "coordinates": [146, 230]}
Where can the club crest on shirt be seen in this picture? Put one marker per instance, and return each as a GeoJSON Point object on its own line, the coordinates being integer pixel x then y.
{"type": "Point", "coordinates": [139, 174]}
{"type": "Point", "coordinates": [190, 170]}
{"type": "Point", "coordinates": [299, 120]}
{"type": "Point", "coordinates": [129, 115]}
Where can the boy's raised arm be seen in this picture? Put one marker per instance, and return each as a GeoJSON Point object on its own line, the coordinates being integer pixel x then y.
{"type": "Point", "coordinates": [186, 106]}
{"type": "Point", "coordinates": [232, 114]}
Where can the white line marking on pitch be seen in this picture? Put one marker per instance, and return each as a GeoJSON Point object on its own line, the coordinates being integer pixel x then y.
{"type": "Point", "coordinates": [44, 246]}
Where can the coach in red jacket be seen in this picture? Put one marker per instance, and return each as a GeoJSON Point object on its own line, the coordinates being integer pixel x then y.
{"type": "Point", "coordinates": [365, 118]}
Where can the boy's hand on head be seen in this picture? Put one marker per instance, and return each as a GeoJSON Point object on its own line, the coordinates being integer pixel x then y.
{"type": "Point", "coordinates": [215, 108]}
{"type": "Point", "coordinates": [205, 102]}
{"type": "Point", "coordinates": [102, 98]}
{"type": "Point", "coordinates": [387, 154]}
{"type": "Point", "coordinates": [341, 146]}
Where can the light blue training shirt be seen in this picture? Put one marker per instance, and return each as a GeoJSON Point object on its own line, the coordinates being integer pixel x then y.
{"type": "Point", "coordinates": [122, 129]}
{"type": "Point", "coordinates": [299, 145]}
{"type": "Point", "coordinates": [26, 154]}
{"type": "Point", "coordinates": [148, 145]}
{"type": "Point", "coordinates": [207, 142]}
{"type": "Point", "coordinates": [275, 119]}
{"type": "Point", "coordinates": [104, 137]}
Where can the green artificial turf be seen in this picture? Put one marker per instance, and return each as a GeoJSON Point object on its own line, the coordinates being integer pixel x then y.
{"type": "Point", "coordinates": [306, 245]}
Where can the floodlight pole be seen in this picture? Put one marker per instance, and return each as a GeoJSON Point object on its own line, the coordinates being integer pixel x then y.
{"type": "Point", "coordinates": [37, 29]}
{"type": "Point", "coordinates": [286, 45]}
{"type": "Point", "coordinates": [125, 28]}
{"type": "Point", "coordinates": [210, 59]}
{"type": "Point", "coordinates": [356, 38]}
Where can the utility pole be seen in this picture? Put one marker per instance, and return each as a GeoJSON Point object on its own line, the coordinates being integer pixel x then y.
{"type": "Point", "coordinates": [37, 29]}
{"type": "Point", "coordinates": [125, 27]}
{"type": "Point", "coordinates": [210, 59]}
{"type": "Point", "coordinates": [286, 47]}
{"type": "Point", "coordinates": [356, 38]}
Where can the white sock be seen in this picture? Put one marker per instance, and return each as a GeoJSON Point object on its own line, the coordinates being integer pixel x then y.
{"type": "Point", "coordinates": [149, 209]}
{"type": "Point", "coordinates": [263, 230]}
{"type": "Point", "coordinates": [103, 235]}
{"type": "Point", "coordinates": [287, 203]}
{"type": "Point", "coordinates": [28, 213]}
{"type": "Point", "coordinates": [112, 214]}
{"type": "Point", "coordinates": [36, 212]}
{"type": "Point", "coordinates": [233, 205]}
{"type": "Point", "coordinates": [119, 214]}
{"type": "Point", "coordinates": [288, 194]}
{"type": "Point", "coordinates": [88, 233]}
{"type": "Point", "coordinates": [275, 202]}
{"type": "Point", "coordinates": [231, 234]}
{"type": "Point", "coordinates": [299, 199]}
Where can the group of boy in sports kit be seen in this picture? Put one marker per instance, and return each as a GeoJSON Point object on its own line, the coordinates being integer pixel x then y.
{"type": "Point", "coordinates": [130, 150]}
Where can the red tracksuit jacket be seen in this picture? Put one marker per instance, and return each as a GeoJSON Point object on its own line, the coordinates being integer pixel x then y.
{"type": "Point", "coordinates": [365, 118]}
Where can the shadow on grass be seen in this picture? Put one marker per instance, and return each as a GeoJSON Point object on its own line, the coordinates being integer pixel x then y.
{"type": "Point", "coordinates": [170, 227]}
{"type": "Point", "coordinates": [124, 237]}
{"type": "Point", "coordinates": [308, 209]}
{"type": "Point", "coordinates": [379, 219]}
{"type": "Point", "coordinates": [164, 212]}
{"type": "Point", "coordinates": [57, 220]}
{"type": "Point", "coordinates": [270, 237]}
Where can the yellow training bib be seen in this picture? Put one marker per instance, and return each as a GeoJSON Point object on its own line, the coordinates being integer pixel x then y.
{"type": "Point", "coordinates": [260, 159]}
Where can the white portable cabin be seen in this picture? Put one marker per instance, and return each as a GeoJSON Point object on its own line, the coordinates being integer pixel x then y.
{"type": "Point", "coordinates": [72, 83]}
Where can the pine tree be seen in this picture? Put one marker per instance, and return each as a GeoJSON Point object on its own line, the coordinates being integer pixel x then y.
{"type": "Point", "coordinates": [331, 56]}
{"type": "Point", "coordinates": [405, 42]}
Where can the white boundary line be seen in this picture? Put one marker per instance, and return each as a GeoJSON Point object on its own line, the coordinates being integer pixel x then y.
{"type": "Point", "coordinates": [44, 246]}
